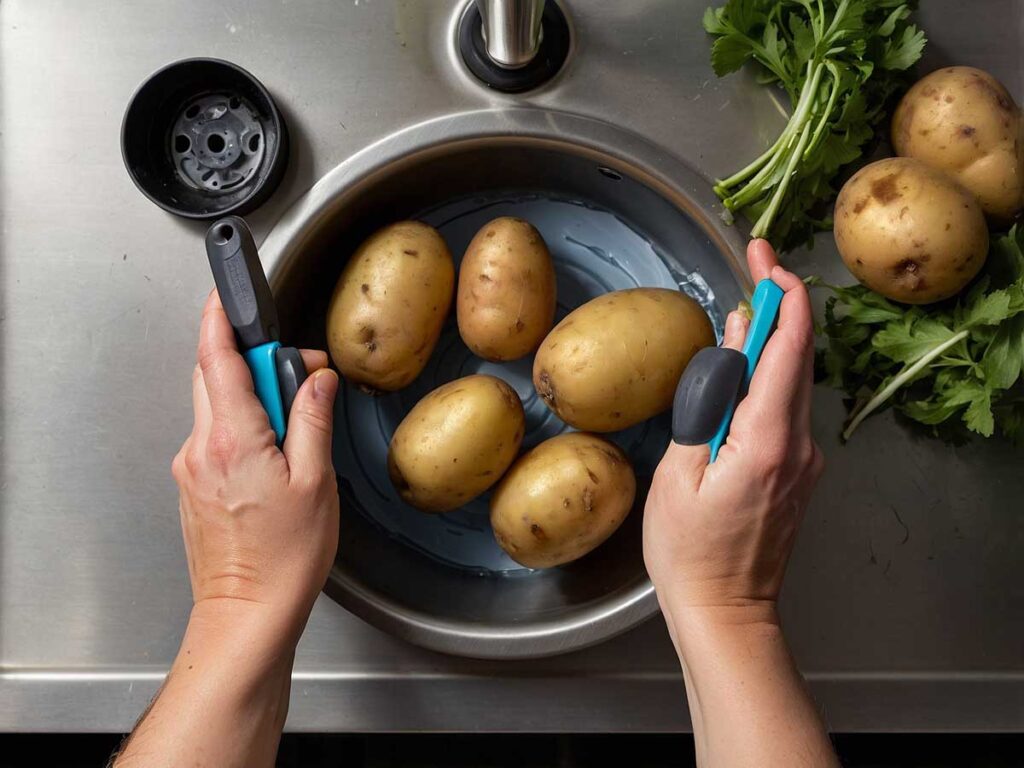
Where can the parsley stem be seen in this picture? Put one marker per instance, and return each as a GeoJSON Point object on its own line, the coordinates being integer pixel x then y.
{"type": "Point", "coordinates": [796, 127]}
{"type": "Point", "coordinates": [907, 374]}
{"type": "Point", "coordinates": [836, 19]}
{"type": "Point", "coordinates": [755, 188]}
{"type": "Point", "coordinates": [770, 154]}
{"type": "Point", "coordinates": [722, 187]}
{"type": "Point", "coordinates": [827, 113]}
{"type": "Point", "coordinates": [764, 223]}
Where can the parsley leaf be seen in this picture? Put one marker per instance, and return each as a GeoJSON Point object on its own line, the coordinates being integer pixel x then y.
{"type": "Point", "coordinates": [978, 416]}
{"type": "Point", "coordinates": [911, 339]}
{"type": "Point", "coordinates": [728, 54]}
{"type": "Point", "coordinates": [903, 53]}
{"type": "Point", "coordinates": [1004, 358]}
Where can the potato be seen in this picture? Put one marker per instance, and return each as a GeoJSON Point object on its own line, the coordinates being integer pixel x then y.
{"type": "Point", "coordinates": [909, 232]}
{"type": "Point", "coordinates": [963, 121]}
{"type": "Point", "coordinates": [616, 360]}
{"type": "Point", "coordinates": [506, 295]}
{"type": "Point", "coordinates": [562, 499]}
{"type": "Point", "coordinates": [389, 305]}
{"type": "Point", "coordinates": [456, 443]}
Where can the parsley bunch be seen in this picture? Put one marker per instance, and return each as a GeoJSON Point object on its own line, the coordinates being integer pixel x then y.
{"type": "Point", "coordinates": [962, 358]}
{"type": "Point", "coordinates": [839, 61]}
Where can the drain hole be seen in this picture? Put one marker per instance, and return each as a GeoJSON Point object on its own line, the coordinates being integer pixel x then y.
{"type": "Point", "coordinates": [224, 233]}
{"type": "Point", "coordinates": [192, 111]}
{"type": "Point", "coordinates": [235, 102]}
{"type": "Point", "coordinates": [181, 143]}
{"type": "Point", "coordinates": [254, 142]}
{"type": "Point", "coordinates": [608, 173]}
{"type": "Point", "coordinates": [215, 142]}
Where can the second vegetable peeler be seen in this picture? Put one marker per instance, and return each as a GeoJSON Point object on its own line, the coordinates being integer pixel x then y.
{"type": "Point", "coordinates": [277, 372]}
{"type": "Point", "coordinates": [717, 377]}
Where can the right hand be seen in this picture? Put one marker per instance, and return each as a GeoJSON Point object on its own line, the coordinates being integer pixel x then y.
{"type": "Point", "coordinates": [719, 535]}
{"type": "Point", "coordinates": [260, 523]}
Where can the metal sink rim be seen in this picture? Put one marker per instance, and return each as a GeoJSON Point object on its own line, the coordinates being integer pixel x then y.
{"type": "Point", "coordinates": [607, 145]}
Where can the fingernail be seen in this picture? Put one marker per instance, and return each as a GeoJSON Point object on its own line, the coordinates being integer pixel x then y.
{"type": "Point", "coordinates": [325, 384]}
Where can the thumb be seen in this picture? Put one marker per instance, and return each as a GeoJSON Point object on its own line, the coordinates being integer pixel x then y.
{"type": "Point", "coordinates": [686, 463]}
{"type": "Point", "coordinates": [307, 444]}
{"type": "Point", "coordinates": [736, 326]}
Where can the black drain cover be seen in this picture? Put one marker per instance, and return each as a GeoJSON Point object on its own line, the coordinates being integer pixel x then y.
{"type": "Point", "coordinates": [202, 138]}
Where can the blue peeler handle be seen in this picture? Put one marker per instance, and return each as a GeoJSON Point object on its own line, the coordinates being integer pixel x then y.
{"type": "Point", "coordinates": [262, 362]}
{"type": "Point", "coordinates": [765, 303]}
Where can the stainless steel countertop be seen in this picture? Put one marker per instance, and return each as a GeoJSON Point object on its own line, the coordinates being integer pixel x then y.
{"type": "Point", "coordinates": [904, 602]}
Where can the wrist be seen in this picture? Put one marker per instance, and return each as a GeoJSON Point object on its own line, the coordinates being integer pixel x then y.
{"type": "Point", "coordinates": [263, 633]}
{"type": "Point", "coordinates": [696, 627]}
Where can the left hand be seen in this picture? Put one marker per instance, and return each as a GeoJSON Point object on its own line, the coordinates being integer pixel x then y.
{"type": "Point", "coordinates": [260, 524]}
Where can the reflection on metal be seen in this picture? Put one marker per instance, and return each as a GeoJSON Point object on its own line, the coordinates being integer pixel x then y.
{"type": "Point", "coordinates": [512, 30]}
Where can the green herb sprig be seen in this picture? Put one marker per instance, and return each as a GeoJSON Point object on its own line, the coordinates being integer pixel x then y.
{"type": "Point", "coordinates": [839, 61]}
{"type": "Point", "coordinates": [961, 359]}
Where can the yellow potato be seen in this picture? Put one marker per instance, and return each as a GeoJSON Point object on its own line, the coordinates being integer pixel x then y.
{"type": "Point", "coordinates": [456, 443]}
{"type": "Point", "coordinates": [909, 232]}
{"type": "Point", "coordinates": [562, 499]}
{"type": "Point", "coordinates": [963, 121]}
{"type": "Point", "coordinates": [616, 360]}
{"type": "Point", "coordinates": [506, 296]}
{"type": "Point", "coordinates": [389, 306]}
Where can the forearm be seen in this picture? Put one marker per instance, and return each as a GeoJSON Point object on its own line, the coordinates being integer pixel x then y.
{"type": "Point", "coordinates": [748, 702]}
{"type": "Point", "coordinates": [225, 698]}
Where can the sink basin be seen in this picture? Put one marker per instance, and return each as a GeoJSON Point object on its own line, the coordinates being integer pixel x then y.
{"type": "Point", "coordinates": [616, 212]}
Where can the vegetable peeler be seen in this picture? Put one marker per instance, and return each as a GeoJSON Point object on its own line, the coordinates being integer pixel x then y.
{"type": "Point", "coordinates": [718, 378]}
{"type": "Point", "coordinates": [277, 372]}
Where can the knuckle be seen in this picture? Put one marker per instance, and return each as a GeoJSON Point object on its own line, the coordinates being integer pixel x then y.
{"type": "Point", "coordinates": [197, 374]}
{"type": "Point", "coordinates": [179, 468]}
{"type": "Point", "coordinates": [805, 456]}
{"type": "Point", "coordinates": [667, 471]}
{"type": "Point", "coordinates": [210, 308]}
{"type": "Point", "coordinates": [315, 418]}
{"type": "Point", "coordinates": [222, 446]}
{"type": "Point", "coordinates": [803, 337]}
{"type": "Point", "coordinates": [304, 483]}
{"type": "Point", "coordinates": [191, 461]}
{"type": "Point", "coordinates": [661, 473]}
{"type": "Point", "coordinates": [771, 459]}
{"type": "Point", "coordinates": [315, 483]}
{"type": "Point", "coordinates": [209, 357]}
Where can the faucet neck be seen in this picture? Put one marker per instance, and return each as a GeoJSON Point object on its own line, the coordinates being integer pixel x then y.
{"type": "Point", "coordinates": [512, 30]}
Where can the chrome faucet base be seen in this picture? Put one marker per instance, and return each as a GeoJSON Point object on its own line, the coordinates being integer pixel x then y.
{"type": "Point", "coordinates": [519, 72]}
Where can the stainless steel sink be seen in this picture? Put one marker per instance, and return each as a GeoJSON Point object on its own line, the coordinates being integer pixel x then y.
{"type": "Point", "coordinates": [616, 212]}
{"type": "Point", "coordinates": [904, 601]}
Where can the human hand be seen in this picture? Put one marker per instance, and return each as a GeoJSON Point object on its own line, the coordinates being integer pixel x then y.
{"type": "Point", "coordinates": [719, 535]}
{"type": "Point", "coordinates": [260, 524]}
